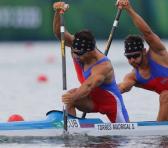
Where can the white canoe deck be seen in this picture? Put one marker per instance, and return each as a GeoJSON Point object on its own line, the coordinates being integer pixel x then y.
{"type": "Point", "coordinates": [53, 126]}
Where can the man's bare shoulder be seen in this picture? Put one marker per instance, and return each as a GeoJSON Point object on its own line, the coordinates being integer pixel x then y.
{"type": "Point", "coordinates": [104, 66]}
{"type": "Point", "coordinates": [161, 58]}
{"type": "Point", "coordinates": [103, 72]}
{"type": "Point", "coordinates": [131, 75]}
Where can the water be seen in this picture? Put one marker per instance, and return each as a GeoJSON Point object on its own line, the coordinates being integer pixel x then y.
{"type": "Point", "coordinates": [85, 141]}
{"type": "Point", "coordinates": [21, 93]}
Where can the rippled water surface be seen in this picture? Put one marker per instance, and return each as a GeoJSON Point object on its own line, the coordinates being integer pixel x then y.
{"type": "Point", "coordinates": [86, 141]}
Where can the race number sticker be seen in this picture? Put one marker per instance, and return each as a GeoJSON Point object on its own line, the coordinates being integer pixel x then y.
{"type": "Point", "coordinates": [73, 123]}
{"type": "Point", "coordinates": [116, 126]}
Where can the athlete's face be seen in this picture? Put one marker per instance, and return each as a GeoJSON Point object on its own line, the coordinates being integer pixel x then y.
{"type": "Point", "coordinates": [80, 57]}
{"type": "Point", "coordinates": [135, 58]}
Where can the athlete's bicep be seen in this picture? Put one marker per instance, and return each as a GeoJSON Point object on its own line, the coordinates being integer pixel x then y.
{"type": "Point", "coordinates": [98, 79]}
{"type": "Point", "coordinates": [99, 73]}
{"type": "Point", "coordinates": [155, 43]}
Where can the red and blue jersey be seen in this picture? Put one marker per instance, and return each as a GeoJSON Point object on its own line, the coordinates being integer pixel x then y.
{"type": "Point", "coordinates": [158, 80]}
{"type": "Point", "coordinates": [107, 98]}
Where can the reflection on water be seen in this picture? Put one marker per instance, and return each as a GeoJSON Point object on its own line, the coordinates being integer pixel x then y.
{"type": "Point", "coordinates": [89, 141]}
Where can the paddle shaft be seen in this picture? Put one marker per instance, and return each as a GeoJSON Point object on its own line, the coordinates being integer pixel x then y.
{"type": "Point", "coordinates": [115, 24]}
{"type": "Point", "coordinates": [62, 30]}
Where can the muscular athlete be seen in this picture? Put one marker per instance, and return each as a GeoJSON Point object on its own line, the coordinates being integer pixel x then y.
{"type": "Point", "coordinates": [98, 91]}
{"type": "Point", "coordinates": [150, 65]}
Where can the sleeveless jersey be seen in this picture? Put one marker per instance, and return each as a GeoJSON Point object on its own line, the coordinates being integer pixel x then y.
{"type": "Point", "coordinates": [110, 91]}
{"type": "Point", "coordinates": [158, 80]}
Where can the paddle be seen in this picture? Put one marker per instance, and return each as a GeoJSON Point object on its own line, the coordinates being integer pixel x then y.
{"type": "Point", "coordinates": [62, 29]}
{"type": "Point", "coordinates": [115, 24]}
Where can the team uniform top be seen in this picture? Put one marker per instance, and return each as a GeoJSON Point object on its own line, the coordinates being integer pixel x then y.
{"type": "Point", "coordinates": [107, 97]}
{"type": "Point", "coordinates": [158, 80]}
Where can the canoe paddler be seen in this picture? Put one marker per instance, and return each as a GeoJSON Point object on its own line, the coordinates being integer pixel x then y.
{"type": "Point", "coordinates": [98, 91]}
{"type": "Point", "coordinates": [150, 65]}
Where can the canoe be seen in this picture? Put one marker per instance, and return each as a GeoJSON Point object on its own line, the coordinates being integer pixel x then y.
{"type": "Point", "coordinates": [53, 125]}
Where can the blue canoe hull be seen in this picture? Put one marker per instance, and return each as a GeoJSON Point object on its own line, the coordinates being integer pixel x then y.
{"type": "Point", "coordinates": [53, 126]}
{"type": "Point", "coordinates": [53, 120]}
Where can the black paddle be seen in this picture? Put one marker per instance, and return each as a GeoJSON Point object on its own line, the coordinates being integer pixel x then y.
{"type": "Point", "coordinates": [115, 24]}
{"type": "Point", "coordinates": [62, 30]}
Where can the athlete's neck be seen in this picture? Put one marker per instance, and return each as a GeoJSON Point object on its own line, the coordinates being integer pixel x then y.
{"type": "Point", "coordinates": [144, 64]}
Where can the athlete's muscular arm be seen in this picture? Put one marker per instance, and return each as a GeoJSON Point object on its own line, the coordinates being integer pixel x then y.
{"type": "Point", "coordinates": [128, 82]}
{"type": "Point", "coordinates": [58, 6]}
{"type": "Point", "coordinates": [98, 76]}
{"type": "Point", "coordinates": [151, 38]}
